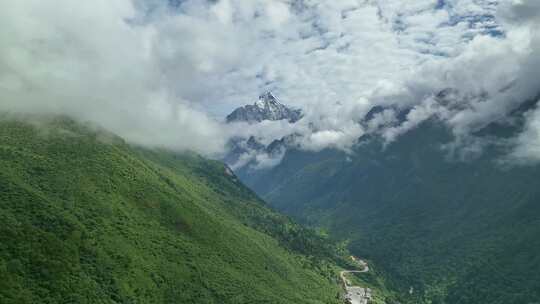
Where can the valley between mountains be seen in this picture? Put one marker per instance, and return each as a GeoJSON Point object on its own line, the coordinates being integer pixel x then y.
{"type": "Point", "coordinates": [270, 152]}
{"type": "Point", "coordinates": [89, 218]}
{"type": "Point", "coordinates": [437, 227]}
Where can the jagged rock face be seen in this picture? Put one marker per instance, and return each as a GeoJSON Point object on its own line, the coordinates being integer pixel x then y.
{"type": "Point", "coordinates": [266, 108]}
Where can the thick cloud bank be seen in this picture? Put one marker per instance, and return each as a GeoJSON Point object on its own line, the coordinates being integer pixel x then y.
{"type": "Point", "coordinates": [165, 73]}
{"type": "Point", "coordinates": [102, 61]}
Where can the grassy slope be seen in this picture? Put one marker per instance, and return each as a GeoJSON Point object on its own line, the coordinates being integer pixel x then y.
{"type": "Point", "coordinates": [458, 232]}
{"type": "Point", "coordinates": [88, 219]}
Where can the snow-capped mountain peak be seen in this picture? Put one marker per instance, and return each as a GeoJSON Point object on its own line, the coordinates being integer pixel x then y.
{"type": "Point", "coordinates": [266, 108]}
{"type": "Point", "coordinates": [267, 99]}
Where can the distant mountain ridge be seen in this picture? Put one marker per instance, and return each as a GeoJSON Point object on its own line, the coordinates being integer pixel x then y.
{"type": "Point", "coordinates": [266, 108]}
{"type": "Point", "coordinates": [456, 231]}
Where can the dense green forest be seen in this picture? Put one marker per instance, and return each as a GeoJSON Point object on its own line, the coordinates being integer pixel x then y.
{"type": "Point", "coordinates": [442, 227]}
{"type": "Point", "coordinates": [87, 218]}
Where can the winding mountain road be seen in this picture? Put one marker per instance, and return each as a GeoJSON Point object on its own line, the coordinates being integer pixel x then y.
{"type": "Point", "coordinates": [355, 294]}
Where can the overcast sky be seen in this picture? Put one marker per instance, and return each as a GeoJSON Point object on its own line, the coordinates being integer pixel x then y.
{"type": "Point", "coordinates": [166, 73]}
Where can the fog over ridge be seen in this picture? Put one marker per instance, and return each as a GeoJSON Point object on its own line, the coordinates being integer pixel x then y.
{"type": "Point", "coordinates": [166, 75]}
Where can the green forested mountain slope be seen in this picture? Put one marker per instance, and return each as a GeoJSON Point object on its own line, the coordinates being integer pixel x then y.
{"type": "Point", "coordinates": [86, 218]}
{"type": "Point", "coordinates": [455, 231]}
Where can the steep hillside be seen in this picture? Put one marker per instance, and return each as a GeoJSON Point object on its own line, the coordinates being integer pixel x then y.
{"type": "Point", "coordinates": [87, 218]}
{"type": "Point", "coordinates": [447, 230]}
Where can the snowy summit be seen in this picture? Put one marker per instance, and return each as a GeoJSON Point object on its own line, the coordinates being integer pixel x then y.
{"type": "Point", "coordinates": [266, 108]}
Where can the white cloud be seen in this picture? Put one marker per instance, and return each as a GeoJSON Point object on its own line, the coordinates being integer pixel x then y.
{"type": "Point", "coordinates": [492, 75]}
{"type": "Point", "coordinates": [414, 118]}
{"type": "Point", "coordinates": [87, 60]}
{"type": "Point", "coordinates": [160, 75]}
{"type": "Point", "coordinates": [528, 143]}
{"type": "Point", "coordinates": [526, 16]}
